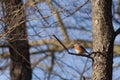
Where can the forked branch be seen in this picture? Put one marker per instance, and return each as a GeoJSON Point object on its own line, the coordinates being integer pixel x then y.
{"type": "Point", "coordinates": [117, 32]}
{"type": "Point", "coordinates": [83, 55]}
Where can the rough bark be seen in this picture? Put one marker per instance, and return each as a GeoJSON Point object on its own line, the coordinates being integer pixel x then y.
{"type": "Point", "coordinates": [103, 38]}
{"type": "Point", "coordinates": [20, 68]}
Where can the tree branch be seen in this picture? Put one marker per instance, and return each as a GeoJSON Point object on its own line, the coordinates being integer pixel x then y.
{"type": "Point", "coordinates": [69, 44]}
{"type": "Point", "coordinates": [117, 32]}
{"type": "Point", "coordinates": [83, 55]}
{"type": "Point", "coordinates": [58, 18]}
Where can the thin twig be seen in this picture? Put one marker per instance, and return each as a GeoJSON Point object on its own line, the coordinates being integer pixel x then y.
{"type": "Point", "coordinates": [61, 43]}
{"type": "Point", "coordinates": [83, 55]}
{"type": "Point", "coordinates": [117, 32]}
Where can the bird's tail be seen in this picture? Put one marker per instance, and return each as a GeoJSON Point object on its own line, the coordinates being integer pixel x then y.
{"type": "Point", "coordinates": [86, 52]}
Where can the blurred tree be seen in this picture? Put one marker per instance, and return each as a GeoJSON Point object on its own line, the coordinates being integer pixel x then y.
{"type": "Point", "coordinates": [20, 68]}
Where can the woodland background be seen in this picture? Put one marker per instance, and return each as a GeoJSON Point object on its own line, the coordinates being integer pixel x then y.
{"type": "Point", "coordinates": [69, 20]}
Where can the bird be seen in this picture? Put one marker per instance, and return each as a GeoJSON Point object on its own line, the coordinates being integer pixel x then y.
{"type": "Point", "coordinates": [80, 49]}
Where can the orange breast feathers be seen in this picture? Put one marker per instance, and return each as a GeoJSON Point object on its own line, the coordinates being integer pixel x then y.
{"type": "Point", "coordinates": [79, 49]}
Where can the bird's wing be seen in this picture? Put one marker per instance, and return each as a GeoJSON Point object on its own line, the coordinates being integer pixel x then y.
{"type": "Point", "coordinates": [83, 49]}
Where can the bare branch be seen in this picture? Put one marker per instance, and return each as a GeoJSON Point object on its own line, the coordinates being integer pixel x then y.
{"type": "Point", "coordinates": [83, 55]}
{"type": "Point", "coordinates": [61, 43]}
{"type": "Point", "coordinates": [58, 18]}
{"type": "Point", "coordinates": [50, 69]}
{"type": "Point", "coordinates": [117, 32]}
{"type": "Point", "coordinates": [78, 8]}
{"type": "Point", "coordinates": [69, 43]}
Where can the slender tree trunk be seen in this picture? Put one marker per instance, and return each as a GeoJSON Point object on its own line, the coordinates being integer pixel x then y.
{"type": "Point", "coordinates": [20, 68]}
{"type": "Point", "coordinates": [103, 39]}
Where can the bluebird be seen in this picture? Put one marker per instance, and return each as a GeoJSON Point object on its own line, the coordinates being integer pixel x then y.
{"type": "Point", "coordinates": [80, 49]}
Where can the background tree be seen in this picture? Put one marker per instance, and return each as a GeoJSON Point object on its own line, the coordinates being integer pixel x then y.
{"type": "Point", "coordinates": [20, 67]}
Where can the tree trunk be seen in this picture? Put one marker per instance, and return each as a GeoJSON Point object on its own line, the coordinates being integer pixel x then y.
{"type": "Point", "coordinates": [103, 39]}
{"type": "Point", "coordinates": [20, 68]}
